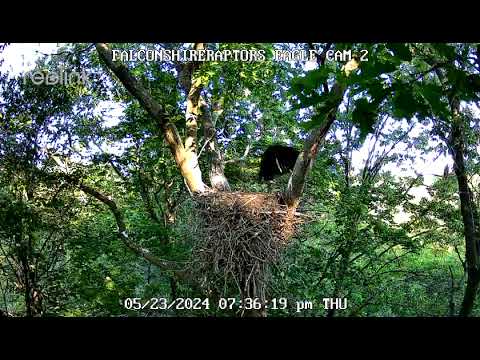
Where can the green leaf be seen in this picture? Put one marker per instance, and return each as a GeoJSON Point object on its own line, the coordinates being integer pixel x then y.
{"type": "Point", "coordinates": [318, 76]}
{"type": "Point", "coordinates": [376, 68]}
{"type": "Point", "coordinates": [315, 121]}
{"type": "Point", "coordinates": [307, 101]}
{"type": "Point", "coordinates": [405, 104]}
{"type": "Point", "coordinates": [385, 67]}
{"type": "Point", "coordinates": [311, 81]}
{"type": "Point", "coordinates": [445, 50]}
{"type": "Point", "coordinates": [432, 94]}
{"type": "Point", "coordinates": [376, 90]}
{"type": "Point", "coordinates": [364, 115]}
{"type": "Point", "coordinates": [401, 51]}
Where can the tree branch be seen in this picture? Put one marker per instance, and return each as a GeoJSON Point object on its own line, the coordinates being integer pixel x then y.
{"type": "Point", "coordinates": [133, 86]}
{"type": "Point", "coordinates": [122, 230]}
{"type": "Point", "coordinates": [305, 160]}
{"type": "Point", "coordinates": [187, 161]}
{"type": "Point", "coordinates": [193, 88]}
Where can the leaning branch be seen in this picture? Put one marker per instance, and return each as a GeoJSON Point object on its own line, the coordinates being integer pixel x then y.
{"type": "Point", "coordinates": [186, 161]}
{"type": "Point", "coordinates": [122, 230]}
{"type": "Point", "coordinates": [133, 86]}
{"type": "Point", "coordinates": [305, 160]}
{"type": "Point", "coordinates": [119, 219]}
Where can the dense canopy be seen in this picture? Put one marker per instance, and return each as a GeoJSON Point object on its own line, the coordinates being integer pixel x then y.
{"type": "Point", "coordinates": [131, 187]}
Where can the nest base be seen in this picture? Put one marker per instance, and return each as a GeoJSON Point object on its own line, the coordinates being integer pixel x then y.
{"type": "Point", "coordinates": [241, 235]}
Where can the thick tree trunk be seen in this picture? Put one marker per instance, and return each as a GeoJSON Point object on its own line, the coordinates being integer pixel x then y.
{"type": "Point", "coordinates": [187, 161]}
{"type": "Point", "coordinates": [218, 180]}
{"type": "Point", "coordinates": [198, 112]}
{"type": "Point", "coordinates": [469, 212]}
{"type": "Point", "coordinates": [193, 88]}
{"type": "Point", "coordinates": [473, 282]}
{"type": "Point", "coordinates": [32, 295]}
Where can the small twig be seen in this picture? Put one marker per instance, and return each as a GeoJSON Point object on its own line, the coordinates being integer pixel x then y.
{"type": "Point", "coordinates": [296, 213]}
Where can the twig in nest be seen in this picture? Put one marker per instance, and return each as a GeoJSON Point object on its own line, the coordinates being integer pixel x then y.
{"type": "Point", "coordinates": [241, 235]}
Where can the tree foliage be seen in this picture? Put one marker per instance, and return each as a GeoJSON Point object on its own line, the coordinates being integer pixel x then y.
{"type": "Point", "coordinates": [97, 208]}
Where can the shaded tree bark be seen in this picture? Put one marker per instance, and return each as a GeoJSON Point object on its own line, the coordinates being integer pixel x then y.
{"type": "Point", "coordinates": [468, 209]}
{"type": "Point", "coordinates": [304, 163]}
{"type": "Point", "coordinates": [218, 180]}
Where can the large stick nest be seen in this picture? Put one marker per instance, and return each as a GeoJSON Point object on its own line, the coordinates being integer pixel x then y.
{"type": "Point", "coordinates": [240, 236]}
